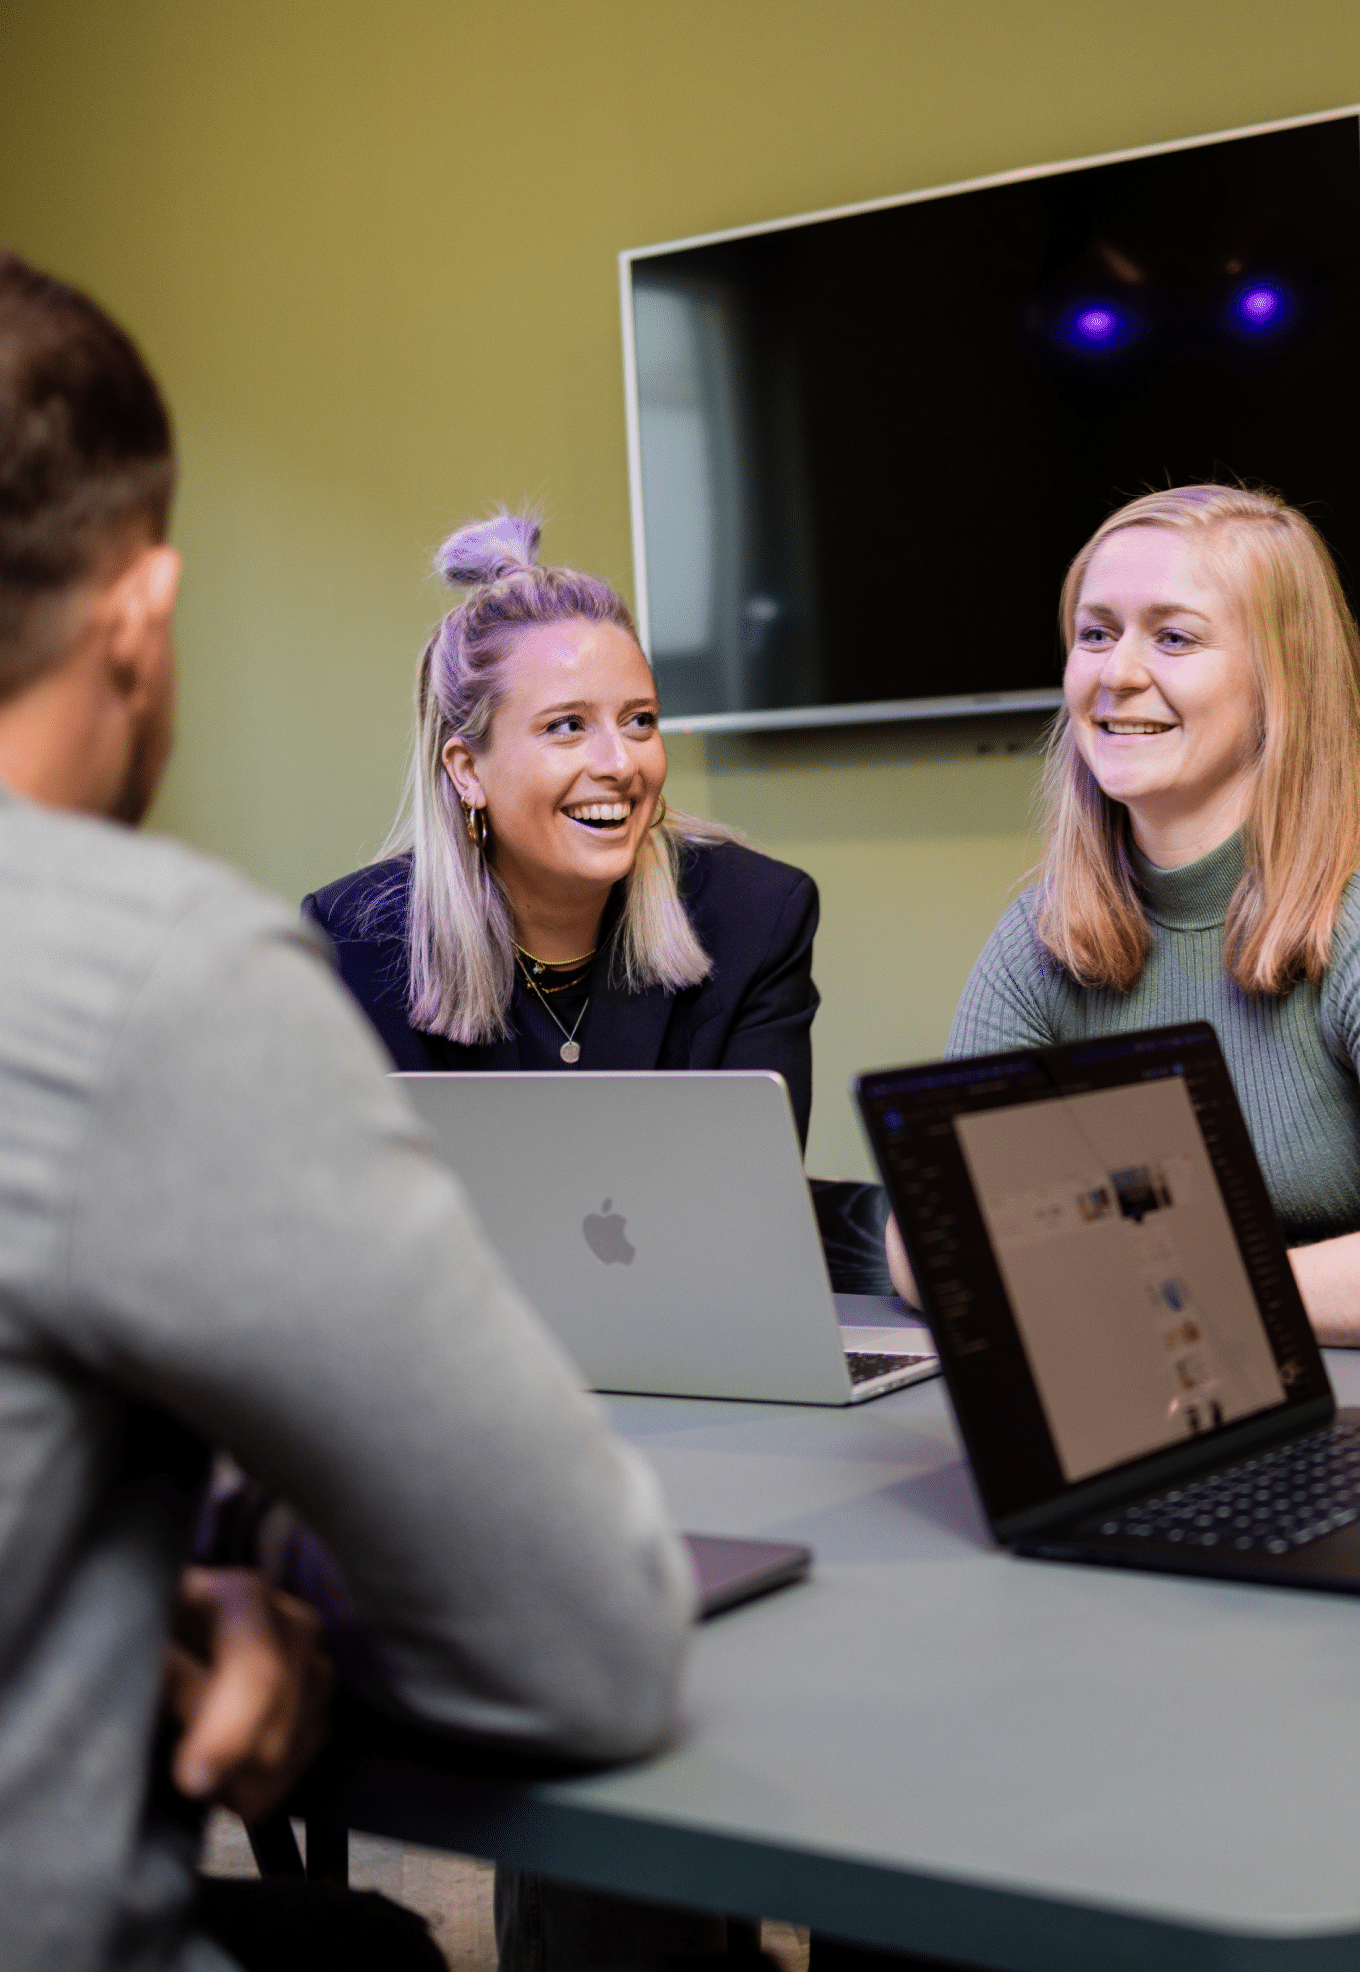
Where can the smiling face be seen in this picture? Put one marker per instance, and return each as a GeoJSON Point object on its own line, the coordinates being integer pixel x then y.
{"type": "Point", "coordinates": [1161, 694]}
{"type": "Point", "coordinates": [573, 770]}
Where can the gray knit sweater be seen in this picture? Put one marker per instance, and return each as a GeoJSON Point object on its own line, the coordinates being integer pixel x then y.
{"type": "Point", "coordinates": [1293, 1059]}
{"type": "Point", "coordinates": [221, 1224]}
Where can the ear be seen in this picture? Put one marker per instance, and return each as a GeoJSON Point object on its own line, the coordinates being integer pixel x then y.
{"type": "Point", "coordinates": [140, 605]}
{"type": "Point", "coordinates": [460, 764]}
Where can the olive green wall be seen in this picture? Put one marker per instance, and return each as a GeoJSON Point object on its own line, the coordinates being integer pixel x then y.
{"type": "Point", "coordinates": [371, 252]}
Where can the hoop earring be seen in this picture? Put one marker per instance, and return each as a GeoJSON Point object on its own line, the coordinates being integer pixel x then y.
{"type": "Point", "coordinates": [659, 817]}
{"type": "Point", "coordinates": [474, 820]}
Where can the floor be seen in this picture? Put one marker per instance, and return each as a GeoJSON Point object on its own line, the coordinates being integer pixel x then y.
{"type": "Point", "coordinates": [452, 1893]}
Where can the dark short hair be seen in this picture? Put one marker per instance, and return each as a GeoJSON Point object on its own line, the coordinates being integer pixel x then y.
{"type": "Point", "coordinates": [86, 452]}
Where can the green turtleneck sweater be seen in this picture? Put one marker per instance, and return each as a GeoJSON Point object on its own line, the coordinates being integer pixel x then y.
{"type": "Point", "coordinates": [1293, 1059]}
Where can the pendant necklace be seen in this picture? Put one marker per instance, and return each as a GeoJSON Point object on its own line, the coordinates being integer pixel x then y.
{"type": "Point", "coordinates": [570, 1049]}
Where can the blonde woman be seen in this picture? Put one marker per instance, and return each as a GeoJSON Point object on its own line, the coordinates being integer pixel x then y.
{"type": "Point", "coordinates": [543, 910]}
{"type": "Point", "coordinates": [1203, 835]}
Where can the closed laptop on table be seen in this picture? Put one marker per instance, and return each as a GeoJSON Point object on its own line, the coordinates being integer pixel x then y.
{"type": "Point", "coordinates": [661, 1224]}
{"type": "Point", "coordinates": [1132, 1369]}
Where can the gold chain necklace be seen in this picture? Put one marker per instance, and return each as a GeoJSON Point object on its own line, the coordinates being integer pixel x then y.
{"type": "Point", "coordinates": [553, 965]}
{"type": "Point", "coordinates": [570, 1049]}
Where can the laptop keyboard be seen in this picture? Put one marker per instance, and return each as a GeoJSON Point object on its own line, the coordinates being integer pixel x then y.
{"type": "Point", "coordinates": [1284, 1499]}
{"type": "Point", "coordinates": [864, 1365]}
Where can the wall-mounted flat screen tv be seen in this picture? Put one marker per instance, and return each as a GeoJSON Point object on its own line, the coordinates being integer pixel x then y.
{"type": "Point", "coordinates": [864, 445]}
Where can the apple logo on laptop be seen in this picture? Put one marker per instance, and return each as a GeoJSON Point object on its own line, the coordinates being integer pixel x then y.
{"type": "Point", "coordinates": [604, 1236]}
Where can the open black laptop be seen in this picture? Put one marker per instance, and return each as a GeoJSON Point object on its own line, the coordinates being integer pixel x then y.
{"type": "Point", "coordinates": [1130, 1364]}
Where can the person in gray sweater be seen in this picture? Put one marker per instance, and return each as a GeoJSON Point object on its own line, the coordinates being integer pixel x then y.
{"type": "Point", "coordinates": [220, 1225]}
{"type": "Point", "coordinates": [1203, 838]}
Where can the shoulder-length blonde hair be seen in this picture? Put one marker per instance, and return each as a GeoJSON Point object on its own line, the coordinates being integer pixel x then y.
{"type": "Point", "coordinates": [459, 925]}
{"type": "Point", "coordinates": [1302, 828]}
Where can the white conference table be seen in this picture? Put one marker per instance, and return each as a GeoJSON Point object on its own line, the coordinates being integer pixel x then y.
{"type": "Point", "coordinates": [935, 1747]}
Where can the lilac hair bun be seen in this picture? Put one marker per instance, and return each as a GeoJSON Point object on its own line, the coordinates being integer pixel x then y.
{"type": "Point", "coordinates": [484, 550]}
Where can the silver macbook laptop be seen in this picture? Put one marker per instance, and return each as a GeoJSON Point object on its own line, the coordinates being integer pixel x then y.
{"type": "Point", "coordinates": [661, 1224]}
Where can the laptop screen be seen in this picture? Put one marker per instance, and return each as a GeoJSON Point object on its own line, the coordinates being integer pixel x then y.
{"type": "Point", "coordinates": [1098, 1253]}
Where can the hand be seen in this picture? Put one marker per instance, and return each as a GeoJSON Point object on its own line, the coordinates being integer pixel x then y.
{"type": "Point", "coordinates": [899, 1266]}
{"type": "Point", "coordinates": [247, 1678]}
{"type": "Point", "coordinates": [1328, 1277]}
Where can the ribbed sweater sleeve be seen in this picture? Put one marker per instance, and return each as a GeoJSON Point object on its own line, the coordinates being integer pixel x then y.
{"type": "Point", "coordinates": [1341, 985]}
{"type": "Point", "coordinates": [1005, 1003]}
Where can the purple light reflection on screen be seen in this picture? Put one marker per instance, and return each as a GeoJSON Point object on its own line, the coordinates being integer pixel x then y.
{"type": "Point", "coordinates": [1096, 325]}
{"type": "Point", "coordinates": [1260, 307]}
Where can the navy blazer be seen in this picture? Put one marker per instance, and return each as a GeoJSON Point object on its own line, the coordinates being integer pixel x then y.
{"type": "Point", "coordinates": [754, 917]}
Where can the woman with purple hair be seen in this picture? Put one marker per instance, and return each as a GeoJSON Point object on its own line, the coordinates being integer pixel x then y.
{"type": "Point", "coordinates": [537, 906]}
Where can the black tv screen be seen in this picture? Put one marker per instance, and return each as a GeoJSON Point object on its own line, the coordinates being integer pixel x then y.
{"type": "Point", "coordinates": [864, 446]}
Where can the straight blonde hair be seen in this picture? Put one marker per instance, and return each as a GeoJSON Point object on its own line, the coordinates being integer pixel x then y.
{"type": "Point", "coordinates": [1301, 834]}
{"type": "Point", "coordinates": [459, 924]}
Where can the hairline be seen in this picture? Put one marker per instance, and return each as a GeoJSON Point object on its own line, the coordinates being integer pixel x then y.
{"type": "Point", "coordinates": [496, 692]}
{"type": "Point", "coordinates": [23, 662]}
